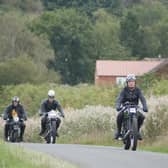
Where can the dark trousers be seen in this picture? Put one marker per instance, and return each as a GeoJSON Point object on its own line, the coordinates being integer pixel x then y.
{"type": "Point", "coordinates": [44, 121]}
{"type": "Point", "coordinates": [120, 118]}
{"type": "Point", "coordinates": [7, 127]}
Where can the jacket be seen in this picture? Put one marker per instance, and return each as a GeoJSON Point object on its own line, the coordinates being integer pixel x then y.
{"type": "Point", "coordinates": [18, 109]}
{"type": "Point", "coordinates": [46, 106]}
{"type": "Point", "coordinates": [132, 96]}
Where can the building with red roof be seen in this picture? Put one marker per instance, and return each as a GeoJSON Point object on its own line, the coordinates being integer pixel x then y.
{"type": "Point", "coordinates": [110, 72]}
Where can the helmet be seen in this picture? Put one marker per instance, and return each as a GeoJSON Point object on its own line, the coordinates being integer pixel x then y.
{"type": "Point", "coordinates": [15, 99]}
{"type": "Point", "coordinates": [51, 93]}
{"type": "Point", "coordinates": [130, 77]}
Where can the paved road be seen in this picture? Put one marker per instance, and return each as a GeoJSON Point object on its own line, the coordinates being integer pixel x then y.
{"type": "Point", "coordinates": [102, 157]}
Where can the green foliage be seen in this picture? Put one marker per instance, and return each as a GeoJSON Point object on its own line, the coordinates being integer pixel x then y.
{"type": "Point", "coordinates": [17, 40]}
{"type": "Point", "coordinates": [143, 30]}
{"type": "Point", "coordinates": [69, 97]}
{"type": "Point", "coordinates": [147, 81]}
{"type": "Point", "coordinates": [107, 44]}
{"type": "Point", "coordinates": [160, 88]}
{"type": "Point", "coordinates": [70, 35]}
{"type": "Point", "coordinates": [22, 70]}
{"type": "Point", "coordinates": [77, 33]}
{"type": "Point", "coordinates": [88, 5]}
{"type": "Point", "coordinates": [25, 57]}
{"type": "Point", "coordinates": [131, 35]}
{"type": "Point", "coordinates": [24, 5]}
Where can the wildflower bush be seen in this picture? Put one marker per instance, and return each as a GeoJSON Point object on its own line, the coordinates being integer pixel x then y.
{"type": "Point", "coordinates": [156, 123]}
{"type": "Point", "coordinates": [92, 122]}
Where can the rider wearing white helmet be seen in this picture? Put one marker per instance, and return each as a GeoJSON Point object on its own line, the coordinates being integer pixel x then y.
{"type": "Point", "coordinates": [48, 105]}
{"type": "Point", "coordinates": [131, 94]}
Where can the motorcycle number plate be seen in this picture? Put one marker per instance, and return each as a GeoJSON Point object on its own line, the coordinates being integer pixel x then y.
{"type": "Point", "coordinates": [15, 127]}
{"type": "Point", "coordinates": [132, 110]}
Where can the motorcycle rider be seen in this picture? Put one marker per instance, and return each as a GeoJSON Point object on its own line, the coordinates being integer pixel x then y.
{"type": "Point", "coordinates": [14, 108]}
{"type": "Point", "coordinates": [48, 105]}
{"type": "Point", "coordinates": [131, 94]}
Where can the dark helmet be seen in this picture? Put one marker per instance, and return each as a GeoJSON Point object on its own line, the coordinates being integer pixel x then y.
{"type": "Point", "coordinates": [15, 99]}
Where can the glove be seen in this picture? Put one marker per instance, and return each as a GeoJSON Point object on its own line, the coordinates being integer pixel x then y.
{"type": "Point", "coordinates": [145, 110]}
{"type": "Point", "coordinates": [118, 109]}
{"type": "Point", "coordinates": [62, 115]}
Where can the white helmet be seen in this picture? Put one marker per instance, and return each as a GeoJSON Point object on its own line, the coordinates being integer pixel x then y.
{"type": "Point", "coordinates": [130, 77]}
{"type": "Point", "coordinates": [51, 93]}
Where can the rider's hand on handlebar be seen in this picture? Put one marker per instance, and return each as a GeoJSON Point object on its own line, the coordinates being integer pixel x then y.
{"type": "Point", "coordinates": [62, 115]}
{"type": "Point", "coordinates": [118, 109]}
{"type": "Point", "coordinates": [145, 110]}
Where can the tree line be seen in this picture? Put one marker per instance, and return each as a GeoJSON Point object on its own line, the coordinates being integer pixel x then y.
{"type": "Point", "coordinates": [61, 39]}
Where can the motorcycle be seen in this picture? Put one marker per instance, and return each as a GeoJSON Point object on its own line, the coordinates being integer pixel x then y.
{"type": "Point", "coordinates": [14, 129]}
{"type": "Point", "coordinates": [50, 134]}
{"type": "Point", "coordinates": [129, 130]}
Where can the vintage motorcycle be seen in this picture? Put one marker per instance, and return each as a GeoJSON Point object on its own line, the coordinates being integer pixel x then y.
{"type": "Point", "coordinates": [14, 128]}
{"type": "Point", "coordinates": [129, 130]}
{"type": "Point", "coordinates": [50, 134]}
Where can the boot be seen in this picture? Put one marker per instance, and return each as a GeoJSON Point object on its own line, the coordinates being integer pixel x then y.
{"type": "Point", "coordinates": [42, 130]}
{"type": "Point", "coordinates": [6, 133]}
{"type": "Point", "coordinates": [118, 134]}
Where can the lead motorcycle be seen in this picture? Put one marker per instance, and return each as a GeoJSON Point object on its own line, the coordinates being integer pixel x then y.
{"type": "Point", "coordinates": [50, 134]}
{"type": "Point", "coordinates": [129, 130]}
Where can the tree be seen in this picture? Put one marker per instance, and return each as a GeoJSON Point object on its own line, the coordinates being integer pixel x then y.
{"type": "Point", "coordinates": [107, 43]}
{"type": "Point", "coordinates": [70, 35]}
{"type": "Point", "coordinates": [17, 41]}
{"type": "Point", "coordinates": [23, 70]}
{"type": "Point", "coordinates": [163, 39]}
{"type": "Point", "coordinates": [25, 5]}
{"type": "Point", "coordinates": [87, 6]}
{"type": "Point", "coordinates": [131, 35]}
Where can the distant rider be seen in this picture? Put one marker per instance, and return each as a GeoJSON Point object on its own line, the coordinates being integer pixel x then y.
{"type": "Point", "coordinates": [14, 108]}
{"type": "Point", "coordinates": [131, 94]}
{"type": "Point", "coordinates": [48, 105]}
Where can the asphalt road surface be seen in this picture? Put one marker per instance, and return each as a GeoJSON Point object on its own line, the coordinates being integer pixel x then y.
{"type": "Point", "coordinates": [102, 157]}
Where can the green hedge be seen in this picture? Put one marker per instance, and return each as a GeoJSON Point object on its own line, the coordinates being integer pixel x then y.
{"type": "Point", "coordinates": [69, 97]}
{"type": "Point", "coordinates": [75, 97]}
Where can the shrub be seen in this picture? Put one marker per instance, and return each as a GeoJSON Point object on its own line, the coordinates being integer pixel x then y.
{"type": "Point", "coordinates": [156, 122]}
{"type": "Point", "coordinates": [74, 97]}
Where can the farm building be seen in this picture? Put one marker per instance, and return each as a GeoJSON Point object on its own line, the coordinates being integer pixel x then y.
{"type": "Point", "coordinates": [110, 72]}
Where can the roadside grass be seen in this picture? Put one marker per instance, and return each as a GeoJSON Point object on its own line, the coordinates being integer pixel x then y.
{"type": "Point", "coordinates": [159, 144]}
{"type": "Point", "coordinates": [12, 156]}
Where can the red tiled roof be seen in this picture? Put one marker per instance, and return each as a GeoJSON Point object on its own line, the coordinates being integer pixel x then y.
{"type": "Point", "coordinates": [122, 68]}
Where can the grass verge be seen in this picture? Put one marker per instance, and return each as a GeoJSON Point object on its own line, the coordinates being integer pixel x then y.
{"type": "Point", "coordinates": [17, 157]}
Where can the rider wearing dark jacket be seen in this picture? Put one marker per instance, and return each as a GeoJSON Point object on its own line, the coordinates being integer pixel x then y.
{"type": "Point", "coordinates": [130, 94]}
{"type": "Point", "coordinates": [48, 105]}
{"type": "Point", "coordinates": [15, 107]}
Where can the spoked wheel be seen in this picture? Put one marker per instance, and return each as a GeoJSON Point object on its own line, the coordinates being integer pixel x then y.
{"type": "Point", "coordinates": [134, 138]}
{"type": "Point", "coordinates": [14, 136]}
{"type": "Point", "coordinates": [53, 132]}
{"type": "Point", "coordinates": [51, 135]}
